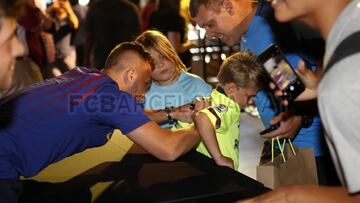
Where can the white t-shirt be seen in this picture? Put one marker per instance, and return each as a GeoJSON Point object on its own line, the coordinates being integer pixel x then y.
{"type": "Point", "coordinates": [339, 100]}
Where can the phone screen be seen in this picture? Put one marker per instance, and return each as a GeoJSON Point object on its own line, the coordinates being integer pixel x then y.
{"type": "Point", "coordinates": [280, 71]}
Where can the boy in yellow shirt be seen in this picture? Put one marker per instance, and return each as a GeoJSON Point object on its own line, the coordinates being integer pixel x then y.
{"type": "Point", "coordinates": [240, 78]}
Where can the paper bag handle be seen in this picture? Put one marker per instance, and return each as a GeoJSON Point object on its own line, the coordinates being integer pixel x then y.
{"type": "Point", "coordinates": [281, 147]}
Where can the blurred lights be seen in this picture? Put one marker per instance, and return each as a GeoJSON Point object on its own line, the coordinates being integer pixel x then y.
{"type": "Point", "coordinates": [202, 31]}
{"type": "Point", "coordinates": [207, 59]}
{"type": "Point", "coordinates": [209, 49]}
{"type": "Point", "coordinates": [196, 58]}
{"type": "Point", "coordinates": [84, 2]}
{"type": "Point", "coordinates": [194, 50]}
{"type": "Point", "coordinates": [195, 33]}
{"type": "Point", "coordinates": [223, 56]}
{"type": "Point", "coordinates": [216, 48]}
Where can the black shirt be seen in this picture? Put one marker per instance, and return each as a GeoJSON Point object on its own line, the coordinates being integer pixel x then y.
{"type": "Point", "coordinates": [111, 22]}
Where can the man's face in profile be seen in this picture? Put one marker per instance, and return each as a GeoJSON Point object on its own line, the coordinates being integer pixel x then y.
{"type": "Point", "coordinates": [227, 24]}
{"type": "Point", "coordinates": [141, 83]}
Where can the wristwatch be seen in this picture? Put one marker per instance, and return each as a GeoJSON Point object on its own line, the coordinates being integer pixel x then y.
{"type": "Point", "coordinates": [306, 121]}
{"type": "Point", "coordinates": [168, 111]}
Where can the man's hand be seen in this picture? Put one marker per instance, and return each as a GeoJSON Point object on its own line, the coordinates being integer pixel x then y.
{"type": "Point", "coordinates": [289, 126]}
{"type": "Point", "coordinates": [305, 194]}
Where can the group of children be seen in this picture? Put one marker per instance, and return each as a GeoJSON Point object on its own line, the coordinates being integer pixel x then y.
{"type": "Point", "coordinates": [173, 90]}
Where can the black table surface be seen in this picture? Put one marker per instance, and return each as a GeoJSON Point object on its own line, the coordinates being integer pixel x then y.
{"type": "Point", "coordinates": [140, 177]}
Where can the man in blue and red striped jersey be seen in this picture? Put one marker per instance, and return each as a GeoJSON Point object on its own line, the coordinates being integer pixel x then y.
{"type": "Point", "coordinates": [78, 110]}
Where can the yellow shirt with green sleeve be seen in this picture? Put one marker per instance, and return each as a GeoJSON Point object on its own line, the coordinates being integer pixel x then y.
{"type": "Point", "coordinates": [224, 115]}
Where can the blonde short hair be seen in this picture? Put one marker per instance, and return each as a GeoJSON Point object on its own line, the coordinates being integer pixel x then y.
{"type": "Point", "coordinates": [243, 69]}
{"type": "Point", "coordinates": [215, 5]}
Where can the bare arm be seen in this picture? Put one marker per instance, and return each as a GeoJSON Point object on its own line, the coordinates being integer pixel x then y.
{"type": "Point", "coordinates": [157, 116]}
{"type": "Point", "coordinates": [306, 194]}
{"type": "Point", "coordinates": [73, 19]}
{"type": "Point", "coordinates": [164, 144]}
{"type": "Point", "coordinates": [174, 38]}
{"type": "Point", "coordinates": [208, 136]}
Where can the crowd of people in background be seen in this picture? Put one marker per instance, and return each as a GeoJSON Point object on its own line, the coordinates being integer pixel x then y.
{"type": "Point", "coordinates": [65, 34]}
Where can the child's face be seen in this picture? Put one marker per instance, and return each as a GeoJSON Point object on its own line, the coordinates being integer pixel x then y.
{"type": "Point", "coordinates": [242, 96]}
{"type": "Point", "coordinates": [165, 71]}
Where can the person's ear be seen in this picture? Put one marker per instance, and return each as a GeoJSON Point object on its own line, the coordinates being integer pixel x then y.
{"type": "Point", "coordinates": [230, 87]}
{"type": "Point", "coordinates": [129, 76]}
{"type": "Point", "coordinates": [228, 6]}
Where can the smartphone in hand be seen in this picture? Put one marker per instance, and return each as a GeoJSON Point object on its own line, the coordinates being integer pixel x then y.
{"type": "Point", "coordinates": [281, 73]}
{"type": "Point", "coordinates": [271, 128]}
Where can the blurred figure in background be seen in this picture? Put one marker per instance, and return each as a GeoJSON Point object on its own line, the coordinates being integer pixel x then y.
{"type": "Point", "coordinates": [10, 48]}
{"type": "Point", "coordinates": [78, 37]}
{"type": "Point", "coordinates": [65, 22]}
{"type": "Point", "coordinates": [34, 21]}
{"type": "Point", "coordinates": [167, 19]}
{"type": "Point", "coordinates": [146, 13]}
{"type": "Point", "coordinates": [108, 23]}
{"type": "Point", "coordinates": [26, 69]}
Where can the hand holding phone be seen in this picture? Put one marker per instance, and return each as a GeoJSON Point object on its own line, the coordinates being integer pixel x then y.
{"type": "Point", "coordinates": [280, 72]}
{"type": "Point", "coordinates": [285, 125]}
{"type": "Point", "coordinates": [271, 128]}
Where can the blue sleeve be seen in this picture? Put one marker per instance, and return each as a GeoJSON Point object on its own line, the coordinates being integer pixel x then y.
{"type": "Point", "coordinates": [120, 110]}
{"type": "Point", "coordinates": [265, 107]}
{"type": "Point", "coordinates": [258, 37]}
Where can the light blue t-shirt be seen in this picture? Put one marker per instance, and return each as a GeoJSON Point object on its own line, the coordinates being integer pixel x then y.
{"type": "Point", "coordinates": [183, 91]}
{"type": "Point", "coordinates": [258, 37]}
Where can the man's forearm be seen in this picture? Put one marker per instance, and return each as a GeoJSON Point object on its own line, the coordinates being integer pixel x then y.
{"type": "Point", "coordinates": [185, 140]}
{"type": "Point", "coordinates": [157, 116]}
{"type": "Point", "coordinates": [320, 194]}
{"type": "Point", "coordinates": [306, 194]}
